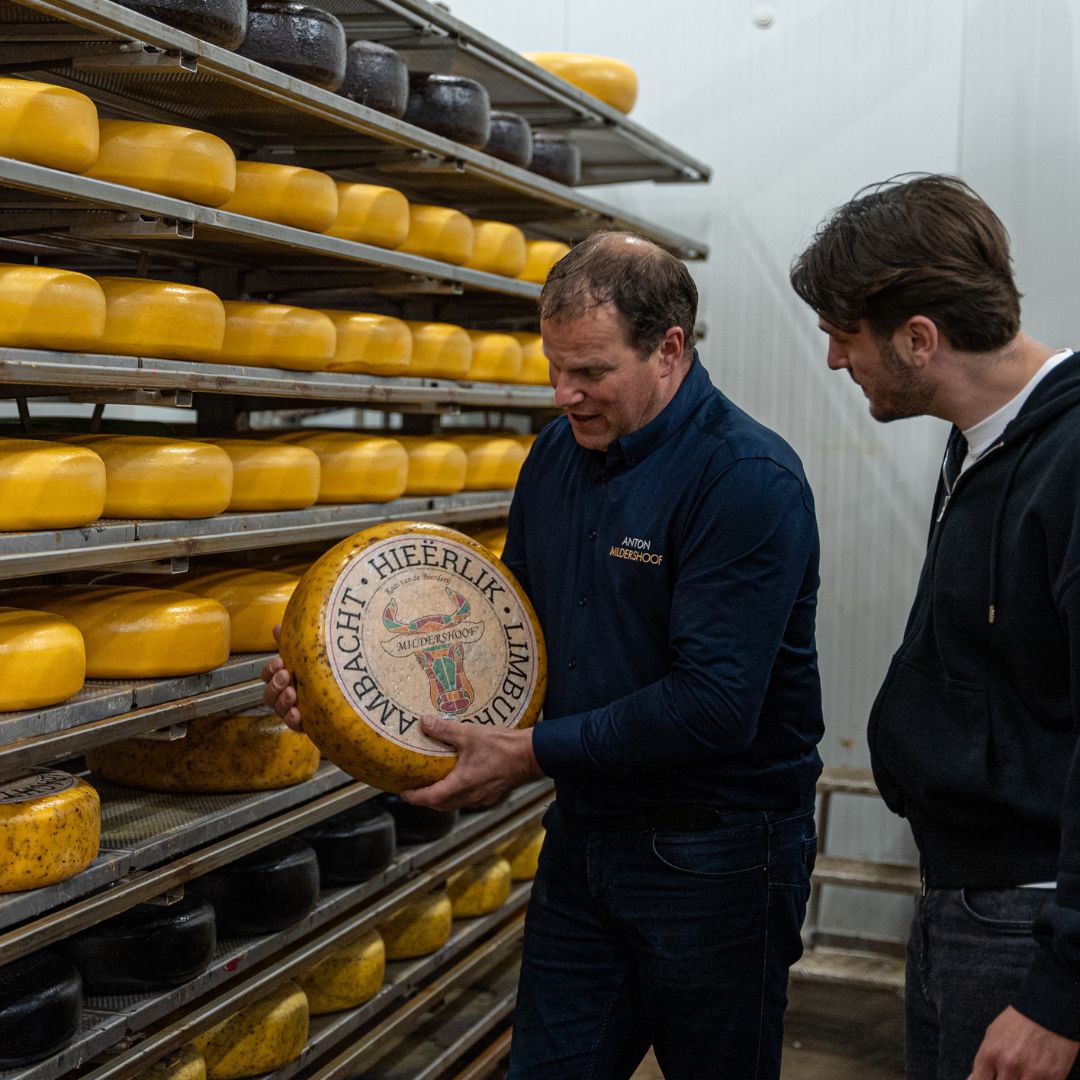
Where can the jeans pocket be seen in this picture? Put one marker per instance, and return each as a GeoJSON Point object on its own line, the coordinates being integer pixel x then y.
{"type": "Point", "coordinates": [1003, 911]}
{"type": "Point", "coordinates": [716, 853]}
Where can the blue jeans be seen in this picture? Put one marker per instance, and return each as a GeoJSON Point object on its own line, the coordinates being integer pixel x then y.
{"type": "Point", "coordinates": [679, 940]}
{"type": "Point", "coordinates": [968, 953]}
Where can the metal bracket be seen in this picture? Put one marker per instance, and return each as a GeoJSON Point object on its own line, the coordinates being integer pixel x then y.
{"type": "Point", "coordinates": [134, 56]}
{"type": "Point", "coordinates": [418, 286]}
{"type": "Point", "coordinates": [136, 227]}
{"type": "Point", "coordinates": [167, 899]}
{"type": "Point", "coordinates": [172, 733]}
{"type": "Point", "coordinates": [176, 399]}
{"type": "Point", "coordinates": [176, 565]}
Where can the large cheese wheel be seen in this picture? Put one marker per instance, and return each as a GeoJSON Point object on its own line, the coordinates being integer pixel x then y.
{"type": "Point", "coordinates": [42, 659]}
{"type": "Point", "coordinates": [437, 232]}
{"type": "Point", "coordinates": [148, 476]}
{"type": "Point", "coordinates": [161, 318]}
{"type": "Point", "coordinates": [522, 852]}
{"type": "Point", "coordinates": [479, 889]}
{"type": "Point", "coordinates": [183, 1064]}
{"type": "Point", "coordinates": [495, 357]}
{"type": "Point", "coordinates": [376, 76]}
{"type": "Point", "coordinates": [353, 846]}
{"type": "Point", "coordinates": [451, 106]}
{"type": "Point", "coordinates": [399, 621]}
{"type": "Point", "coordinates": [355, 468]}
{"type": "Point", "coordinates": [40, 1007]}
{"type": "Point", "coordinates": [494, 539]}
{"type": "Point", "coordinates": [221, 22]}
{"type": "Point", "coordinates": [347, 977]}
{"type": "Point", "coordinates": [252, 751]}
{"type": "Point", "coordinates": [371, 344]}
{"type": "Point", "coordinates": [534, 364]}
{"type": "Point", "coordinates": [277, 335]}
{"type": "Point", "coordinates": [370, 214]}
{"type": "Point", "coordinates": [511, 138]}
{"type": "Point", "coordinates": [540, 257]}
{"type": "Point", "coordinates": [50, 828]}
{"type": "Point", "coordinates": [557, 158]}
{"type": "Point", "coordinates": [422, 927]}
{"type": "Point", "coordinates": [306, 42]}
{"type": "Point", "coordinates": [418, 824]}
{"type": "Point", "coordinates": [498, 248]}
{"type": "Point", "coordinates": [494, 461]}
{"type": "Point", "coordinates": [436, 466]}
{"type": "Point", "coordinates": [612, 81]}
{"type": "Point", "coordinates": [171, 160]}
{"type": "Point", "coordinates": [133, 633]}
{"type": "Point", "coordinates": [49, 485]}
{"type": "Point", "coordinates": [287, 194]}
{"type": "Point", "coordinates": [439, 350]}
{"type": "Point", "coordinates": [254, 599]}
{"type": "Point", "coordinates": [46, 308]}
{"type": "Point", "coordinates": [258, 1039]}
{"type": "Point", "coordinates": [269, 476]}
{"type": "Point", "coordinates": [47, 125]}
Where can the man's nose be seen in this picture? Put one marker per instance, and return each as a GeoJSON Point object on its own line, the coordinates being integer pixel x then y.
{"type": "Point", "coordinates": [836, 357]}
{"type": "Point", "coordinates": [566, 394]}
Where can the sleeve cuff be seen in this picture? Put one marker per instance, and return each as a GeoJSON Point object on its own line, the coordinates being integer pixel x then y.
{"type": "Point", "coordinates": [556, 744]}
{"type": "Point", "coordinates": [1050, 995]}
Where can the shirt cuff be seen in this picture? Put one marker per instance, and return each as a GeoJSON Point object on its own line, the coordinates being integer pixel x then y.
{"type": "Point", "coordinates": [556, 744]}
{"type": "Point", "coordinates": [1050, 995]}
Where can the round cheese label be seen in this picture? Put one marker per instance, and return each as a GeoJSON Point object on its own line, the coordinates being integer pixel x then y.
{"type": "Point", "coordinates": [36, 785]}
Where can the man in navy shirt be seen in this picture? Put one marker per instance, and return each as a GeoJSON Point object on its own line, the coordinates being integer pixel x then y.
{"type": "Point", "coordinates": [669, 546]}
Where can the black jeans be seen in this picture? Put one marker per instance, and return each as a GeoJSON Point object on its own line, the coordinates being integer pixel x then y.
{"type": "Point", "coordinates": [680, 940]}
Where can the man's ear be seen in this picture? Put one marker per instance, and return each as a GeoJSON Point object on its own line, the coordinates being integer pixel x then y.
{"type": "Point", "coordinates": [671, 349]}
{"type": "Point", "coordinates": [916, 341]}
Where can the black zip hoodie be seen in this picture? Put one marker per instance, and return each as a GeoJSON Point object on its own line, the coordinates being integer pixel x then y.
{"type": "Point", "coordinates": [974, 733]}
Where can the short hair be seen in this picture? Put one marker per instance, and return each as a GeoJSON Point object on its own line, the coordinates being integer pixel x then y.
{"type": "Point", "coordinates": [649, 287]}
{"type": "Point", "coordinates": [918, 244]}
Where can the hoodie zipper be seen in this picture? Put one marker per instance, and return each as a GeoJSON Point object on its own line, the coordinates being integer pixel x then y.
{"type": "Point", "coordinates": [950, 489]}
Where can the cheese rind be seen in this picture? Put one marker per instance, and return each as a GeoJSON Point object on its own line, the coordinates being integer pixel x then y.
{"type": "Point", "coordinates": [371, 214]}
{"type": "Point", "coordinates": [47, 125]}
{"type": "Point", "coordinates": [277, 335]}
{"type": "Point", "coordinates": [523, 853]}
{"type": "Point", "coordinates": [254, 599]}
{"type": "Point", "coordinates": [371, 344]}
{"type": "Point", "coordinates": [42, 659]}
{"type": "Point", "coordinates": [540, 257]}
{"type": "Point", "coordinates": [287, 194]}
{"type": "Point", "coordinates": [495, 357]}
{"type": "Point", "coordinates": [47, 308]}
{"type": "Point", "coordinates": [612, 81]}
{"type": "Point", "coordinates": [534, 364]}
{"type": "Point", "coordinates": [436, 466]}
{"type": "Point", "coordinates": [493, 461]}
{"type": "Point", "coordinates": [269, 476]}
{"type": "Point", "coordinates": [438, 232]}
{"type": "Point", "coordinates": [493, 539]}
{"type": "Point", "coordinates": [479, 889]}
{"type": "Point", "coordinates": [355, 468]}
{"type": "Point", "coordinates": [346, 978]}
{"type": "Point", "coordinates": [422, 927]}
{"type": "Point", "coordinates": [440, 350]}
{"type": "Point", "coordinates": [183, 1064]}
{"type": "Point", "coordinates": [498, 248]}
{"type": "Point", "coordinates": [49, 486]}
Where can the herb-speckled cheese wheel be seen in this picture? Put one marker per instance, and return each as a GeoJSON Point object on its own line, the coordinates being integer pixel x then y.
{"type": "Point", "coordinates": [346, 978]}
{"type": "Point", "coordinates": [399, 621]}
{"type": "Point", "coordinates": [277, 335]}
{"type": "Point", "coordinates": [258, 1039]}
{"type": "Point", "coordinates": [421, 928]}
{"type": "Point", "coordinates": [183, 1064]}
{"type": "Point", "coordinates": [495, 357]}
{"type": "Point", "coordinates": [523, 853]}
{"type": "Point", "coordinates": [147, 476]}
{"type": "Point", "coordinates": [47, 308]}
{"type": "Point", "coordinates": [436, 466]}
{"type": "Point", "coordinates": [355, 468]}
{"type": "Point", "coordinates": [48, 485]}
{"type": "Point", "coordinates": [437, 232]}
{"type": "Point", "coordinates": [534, 364]}
{"type": "Point", "coordinates": [493, 539]}
{"type": "Point", "coordinates": [161, 318]}
{"type": "Point", "coordinates": [370, 214]}
{"type": "Point", "coordinates": [47, 125]}
{"type": "Point", "coordinates": [479, 889]}
{"type": "Point", "coordinates": [371, 344]}
{"type": "Point", "coordinates": [440, 350]}
{"type": "Point", "coordinates": [176, 161]}
{"type": "Point", "coordinates": [540, 257]}
{"type": "Point", "coordinates": [498, 248]}
{"type": "Point", "coordinates": [287, 194]}
{"type": "Point", "coordinates": [269, 476]}
{"type": "Point", "coordinates": [612, 81]}
{"type": "Point", "coordinates": [42, 659]}
{"type": "Point", "coordinates": [494, 461]}
{"type": "Point", "coordinates": [41, 1002]}
{"type": "Point", "coordinates": [254, 599]}
{"type": "Point", "coordinates": [253, 751]}
{"type": "Point", "coordinates": [50, 828]}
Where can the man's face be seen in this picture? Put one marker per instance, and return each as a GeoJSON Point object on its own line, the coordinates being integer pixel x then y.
{"type": "Point", "coordinates": [603, 386]}
{"type": "Point", "coordinates": [894, 389]}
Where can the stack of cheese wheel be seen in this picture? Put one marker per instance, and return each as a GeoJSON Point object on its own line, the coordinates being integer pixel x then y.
{"type": "Point", "coordinates": [498, 248]}
{"type": "Point", "coordinates": [133, 633]}
{"type": "Point", "coordinates": [49, 486]}
{"type": "Point", "coordinates": [41, 1001]}
{"type": "Point", "coordinates": [277, 336]}
{"type": "Point", "coordinates": [147, 476]}
{"type": "Point", "coordinates": [522, 852]}
{"type": "Point", "coordinates": [355, 468]}
{"type": "Point", "coordinates": [440, 350]}
{"type": "Point", "coordinates": [47, 308]}
{"type": "Point", "coordinates": [534, 364]}
{"type": "Point", "coordinates": [287, 194]}
{"type": "Point", "coordinates": [47, 125]}
{"type": "Point", "coordinates": [183, 1064]}
{"type": "Point", "coordinates": [613, 82]}
{"type": "Point", "coordinates": [479, 889]}
{"type": "Point", "coordinates": [371, 214]}
{"type": "Point", "coordinates": [370, 344]}
{"type": "Point", "coordinates": [540, 257]}
{"type": "Point", "coordinates": [422, 927]}
{"type": "Point", "coordinates": [494, 461]}
{"type": "Point", "coordinates": [494, 539]}
{"type": "Point", "coordinates": [347, 977]}
{"type": "Point", "coordinates": [42, 659]}
{"type": "Point", "coordinates": [496, 357]}
{"type": "Point", "coordinates": [251, 751]}
{"type": "Point", "coordinates": [437, 232]}
{"type": "Point", "coordinates": [270, 476]}
{"type": "Point", "coordinates": [176, 161]}
{"type": "Point", "coordinates": [50, 828]}
{"type": "Point", "coordinates": [436, 466]}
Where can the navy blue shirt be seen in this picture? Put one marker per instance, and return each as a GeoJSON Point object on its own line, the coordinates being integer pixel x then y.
{"type": "Point", "coordinates": [675, 577]}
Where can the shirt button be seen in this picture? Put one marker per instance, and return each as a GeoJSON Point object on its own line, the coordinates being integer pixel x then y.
{"type": "Point", "coordinates": [571, 663]}
{"type": "Point", "coordinates": [592, 534]}
{"type": "Point", "coordinates": [582, 602]}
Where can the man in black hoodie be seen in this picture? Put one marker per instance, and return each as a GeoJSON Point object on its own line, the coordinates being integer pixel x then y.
{"type": "Point", "coordinates": [973, 736]}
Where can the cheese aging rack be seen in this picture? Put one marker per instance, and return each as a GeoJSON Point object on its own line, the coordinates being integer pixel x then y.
{"type": "Point", "coordinates": [440, 1013]}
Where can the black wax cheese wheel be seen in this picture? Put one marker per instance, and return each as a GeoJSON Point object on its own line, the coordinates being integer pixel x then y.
{"type": "Point", "coordinates": [149, 947]}
{"type": "Point", "coordinates": [353, 846]}
{"type": "Point", "coordinates": [418, 824]}
{"type": "Point", "coordinates": [264, 892]}
{"type": "Point", "coordinates": [451, 106]}
{"type": "Point", "coordinates": [556, 158]}
{"type": "Point", "coordinates": [303, 41]}
{"type": "Point", "coordinates": [511, 139]}
{"type": "Point", "coordinates": [40, 1007]}
{"type": "Point", "coordinates": [376, 76]}
{"type": "Point", "coordinates": [221, 22]}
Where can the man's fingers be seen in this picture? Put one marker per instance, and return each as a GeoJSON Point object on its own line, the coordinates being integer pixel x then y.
{"type": "Point", "coordinates": [277, 633]}
{"type": "Point", "coordinates": [271, 668]}
{"type": "Point", "coordinates": [292, 719]}
{"type": "Point", "coordinates": [451, 732]}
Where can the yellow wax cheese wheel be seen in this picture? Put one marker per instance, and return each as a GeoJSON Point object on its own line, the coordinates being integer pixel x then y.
{"type": "Point", "coordinates": [522, 852]}
{"type": "Point", "coordinates": [370, 214]}
{"type": "Point", "coordinates": [50, 828]}
{"type": "Point", "coordinates": [49, 485]}
{"type": "Point", "coordinates": [494, 461]}
{"type": "Point", "coordinates": [42, 659]}
{"type": "Point", "coordinates": [493, 539]}
{"type": "Point", "coordinates": [277, 335]}
{"type": "Point", "coordinates": [436, 466]}
{"type": "Point", "coordinates": [269, 476]}
{"type": "Point", "coordinates": [259, 1038]}
{"type": "Point", "coordinates": [498, 248]}
{"type": "Point", "coordinates": [133, 633]}
{"type": "Point", "coordinates": [47, 308]}
{"type": "Point", "coordinates": [148, 476]}
{"type": "Point", "coordinates": [437, 232]}
{"type": "Point", "coordinates": [534, 364]}
{"type": "Point", "coordinates": [287, 194]}
{"type": "Point", "coordinates": [540, 257]}
{"type": "Point", "coordinates": [253, 751]}
{"type": "Point", "coordinates": [612, 81]}
{"type": "Point", "coordinates": [526, 442]}
{"type": "Point", "coordinates": [176, 161]}
{"type": "Point", "coordinates": [440, 350]}
{"type": "Point", "coordinates": [479, 889]}
{"type": "Point", "coordinates": [495, 357]}
{"type": "Point", "coordinates": [47, 125]}
{"type": "Point", "coordinates": [254, 599]}
{"type": "Point", "coordinates": [183, 1064]}
{"type": "Point", "coordinates": [161, 318]}
{"type": "Point", "coordinates": [421, 928]}
{"type": "Point", "coordinates": [400, 621]}
{"type": "Point", "coordinates": [346, 978]}
{"type": "Point", "coordinates": [355, 468]}
{"type": "Point", "coordinates": [371, 344]}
